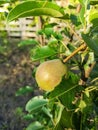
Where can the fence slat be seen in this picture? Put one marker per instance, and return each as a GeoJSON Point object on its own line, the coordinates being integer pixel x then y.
{"type": "Point", "coordinates": [22, 28]}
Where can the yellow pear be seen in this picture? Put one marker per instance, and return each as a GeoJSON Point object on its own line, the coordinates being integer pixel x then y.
{"type": "Point", "coordinates": [49, 74]}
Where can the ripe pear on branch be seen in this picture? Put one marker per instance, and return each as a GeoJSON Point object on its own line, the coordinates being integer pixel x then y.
{"type": "Point", "coordinates": [49, 74]}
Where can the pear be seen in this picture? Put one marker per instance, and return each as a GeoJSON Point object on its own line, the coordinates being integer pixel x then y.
{"type": "Point", "coordinates": [49, 74]}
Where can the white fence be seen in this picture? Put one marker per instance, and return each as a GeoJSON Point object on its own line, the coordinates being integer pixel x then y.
{"type": "Point", "coordinates": [23, 28]}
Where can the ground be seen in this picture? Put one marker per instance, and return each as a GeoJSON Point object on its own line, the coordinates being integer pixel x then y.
{"type": "Point", "coordinates": [15, 71]}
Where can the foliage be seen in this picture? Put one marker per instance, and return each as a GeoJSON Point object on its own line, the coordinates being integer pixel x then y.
{"type": "Point", "coordinates": [73, 103]}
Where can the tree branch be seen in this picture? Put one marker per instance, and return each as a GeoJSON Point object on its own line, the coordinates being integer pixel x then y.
{"type": "Point", "coordinates": [83, 46]}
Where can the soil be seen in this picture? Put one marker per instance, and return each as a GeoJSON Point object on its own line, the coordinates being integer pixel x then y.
{"type": "Point", "coordinates": [15, 71]}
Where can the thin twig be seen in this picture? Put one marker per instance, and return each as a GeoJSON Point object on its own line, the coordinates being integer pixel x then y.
{"type": "Point", "coordinates": [72, 30]}
{"type": "Point", "coordinates": [83, 46]}
{"type": "Point", "coordinates": [87, 73]}
{"type": "Point", "coordinates": [94, 80]}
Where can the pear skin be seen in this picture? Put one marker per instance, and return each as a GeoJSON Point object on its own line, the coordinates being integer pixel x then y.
{"type": "Point", "coordinates": [49, 74]}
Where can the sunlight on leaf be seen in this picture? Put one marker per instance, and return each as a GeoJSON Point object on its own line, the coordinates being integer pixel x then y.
{"type": "Point", "coordinates": [34, 8]}
{"type": "Point", "coordinates": [82, 105]}
{"type": "Point", "coordinates": [43, 52]}
{"type": "Point", "coordinates": [35, 104]}
{"type": "Point", "coordinates": [28, 42]}
{"type": "Point", "coordinates": [35, 126]}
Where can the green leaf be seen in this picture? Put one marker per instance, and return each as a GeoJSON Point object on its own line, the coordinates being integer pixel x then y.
{"type": "Point", "coordinates": [92, 43]}
{"type": "Point", "coordinates": [82, 105]}
{"type": "Point", "coordinates": [28, 42]}
{"type": "Point", "coordinates": [28, 117]}
{"type": "Point", "coordinates": [52, 42]}
{"type": "Point", "coordinates": [84, 2]}
{"type": "Point", "coordinates": [36, 8]}
{"type": "Point", "coordinates": [69, 119]}
{"type": "Point", "coordinates": [43, 52]}
{"type": "Point", "coordinates": [58, 127]}
{"type": "Point", "coordinates": [94, 18]}
{"type": "Point", "coordinates": [35, 104]}
{"type": "Point", "coordinates": [93, 2]}
{"type": "Point", "coordinates": [47, 112]}
{"type": "Point", "coordinates": [75, 20]}
{"type": "Point", "coordinates": [58, 35]}
{"type": "Point", "coordinates": [85, 104]}
{"type": "Point", "coordinates": [66, 92]}
{"type": "Point", "coordinates": [35, 126]}
{"type": "Point", "coordinates": [81, 15]}
{"type": "Point", "coordinates": [68, 97]}
{"type": "Point", "coordinates": [50, 25]}
{"type": "Point", "coordinates": [48, 32]}
{"type": "Point", "coordinates": [4, 1]}
{"type": "Point", "coordinates": [85, 6]}
{"type": "Point", "coordinates": [71, 47]}
{"type": "Point", "coordinates": [81, 1]}
{"type": "Point", "coordinates": [24, 90]}
{"type": "Point", "coordinates": [94, 72]}
{"type": "Point", "coordinates": [66, 119]}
